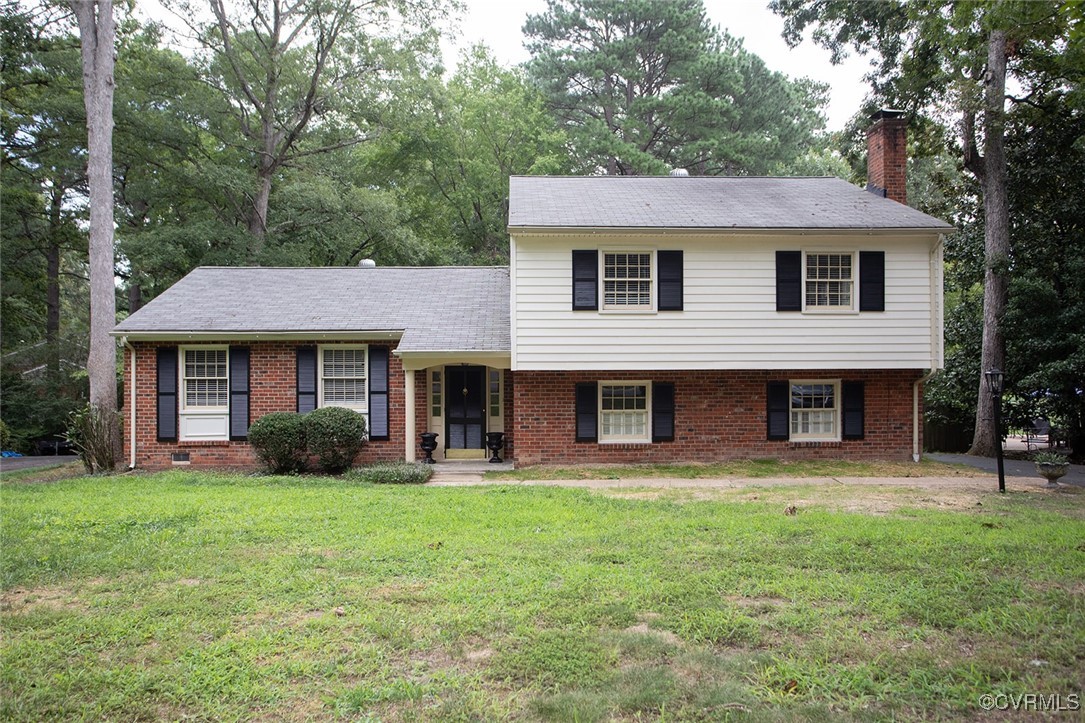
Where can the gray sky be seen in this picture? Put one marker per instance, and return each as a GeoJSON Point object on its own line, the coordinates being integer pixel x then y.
{"type": "Point", "coordinates": [497, 23]}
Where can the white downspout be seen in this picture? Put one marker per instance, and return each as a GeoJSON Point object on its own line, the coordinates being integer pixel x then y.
{"type": "Point", "coordinates": [132, 411]}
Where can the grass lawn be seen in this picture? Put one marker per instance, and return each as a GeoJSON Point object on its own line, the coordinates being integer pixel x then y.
{"type": "Point", "coordinates": [742, 468]}
{"type": "Point", "coordinates": [231, 597]}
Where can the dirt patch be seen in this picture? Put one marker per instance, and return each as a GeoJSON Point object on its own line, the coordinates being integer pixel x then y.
{"type": "Point", "coordinates": [757, 602]}
{"type": "Point", "coordinates": [19, 601]}
{"type": "Point", "coordinates": [665, 635]}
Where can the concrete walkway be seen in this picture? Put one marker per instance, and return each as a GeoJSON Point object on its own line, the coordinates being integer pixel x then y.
{"type": "Point", "coordinates": [1012, 467]}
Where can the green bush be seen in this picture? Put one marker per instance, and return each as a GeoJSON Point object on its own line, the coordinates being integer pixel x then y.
{"type": "Point", "coordinates": [393, 473]}
{"type": "Point", "coordinates": [335, 436]}
{"type": "Point", "coordinates": [5, 435]}
{"type": "Point", "coordinates": [279, 441]}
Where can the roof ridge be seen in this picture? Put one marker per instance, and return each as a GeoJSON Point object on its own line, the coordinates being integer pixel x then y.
{"type": "Point", "coordinates": [344, 268]}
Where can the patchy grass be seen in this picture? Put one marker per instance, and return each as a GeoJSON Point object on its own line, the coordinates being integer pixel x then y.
{"type": "Point", "coordinates": [48, 473]}
{"type": "Point", "coordinates": [230, 597]}
{"type": "Point", "coordinates": [744, 468]}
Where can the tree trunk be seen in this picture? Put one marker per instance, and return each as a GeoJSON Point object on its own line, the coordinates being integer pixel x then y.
{"type": "Point", "coordinates": [996, 239]}
{"type": "Point", "coordinates": [135, 297]}
{"type": "Point", "coordinates": [96, 32]}
{"type": "Point", "coordinates": [52, 284]}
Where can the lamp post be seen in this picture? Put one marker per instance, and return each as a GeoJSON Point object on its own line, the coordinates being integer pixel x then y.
{"type": "Point", "coordinates": [994, 382]}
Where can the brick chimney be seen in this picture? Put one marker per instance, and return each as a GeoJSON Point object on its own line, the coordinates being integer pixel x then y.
{"type": "Point", "coordinates": [887, 155]}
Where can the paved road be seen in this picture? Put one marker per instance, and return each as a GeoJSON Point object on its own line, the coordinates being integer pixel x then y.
{"type": "Point", "coordinates": [1013, 467]}
{"type": "Point", "coordinates": [10, 464]}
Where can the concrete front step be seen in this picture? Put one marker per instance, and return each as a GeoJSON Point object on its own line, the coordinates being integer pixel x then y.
{"type": "Point", "coordinates": [463, 472]}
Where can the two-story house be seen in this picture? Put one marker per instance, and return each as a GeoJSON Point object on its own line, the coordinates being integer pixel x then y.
{"type": "Point", "coordinates": [640, 319]}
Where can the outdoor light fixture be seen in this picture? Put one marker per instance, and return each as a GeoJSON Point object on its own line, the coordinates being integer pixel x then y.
{"type": "Point", "coordinates": [995, 378]}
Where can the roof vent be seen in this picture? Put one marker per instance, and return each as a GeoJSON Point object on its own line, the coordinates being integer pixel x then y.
{"type": "Point", "coordinates": [367, 264]}
{"type": "Point", "coordinates": [679, 173]}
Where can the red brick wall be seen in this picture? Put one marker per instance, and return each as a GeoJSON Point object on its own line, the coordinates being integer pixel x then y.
{"type": "Point", "coordinates": [273, 384]}
{"type": "Point", "coordinates": [887, 157]}
{"type": "Point", "coordinates": [719, 415]}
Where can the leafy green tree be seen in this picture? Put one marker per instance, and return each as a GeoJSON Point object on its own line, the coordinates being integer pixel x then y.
{"type": "Point", "coordinates": [936, 56]}
{"type": "Point", "coordinates": [646, 86]}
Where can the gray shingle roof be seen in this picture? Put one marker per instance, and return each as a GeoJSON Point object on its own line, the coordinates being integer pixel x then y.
{"type": "Point", "coordinates": [709, 202]}
{"type": "Point", "coordinates": [447, 308]}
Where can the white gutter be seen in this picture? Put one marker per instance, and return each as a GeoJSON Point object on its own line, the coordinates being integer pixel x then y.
{"type": "Point", "coordinates": [132, 411]}
{"type": "Point", "coordinates": [917, 453]}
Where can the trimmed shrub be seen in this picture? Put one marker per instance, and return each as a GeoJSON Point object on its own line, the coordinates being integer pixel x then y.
{"type": "Point", "coordinates": [335, 436]}
{"type": "Point", "coordinates": [5, 436]}
{"type": "Point", "coordinates": [95, 434]}
{"type": "Point", "coordinates": [392, 473]}
{"type": "Point", "coordinates": [279, 441]}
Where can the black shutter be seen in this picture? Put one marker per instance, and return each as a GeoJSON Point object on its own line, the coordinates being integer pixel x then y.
{"type": "Point", "coordinates": [779, 409]}
{"type": "Point", "coordinates": [306, 378]}
{"type": "Point", "coordinates": [586, 424]}
{"type": "Point", "coordinates": [239, 393]}
{"type": "Point", "coordinates": [663, 411]}
{"type": "Point", "coordinates": [166, 388]}
{"type": "Point", "coordinates": [871, 281]}
{"type": "Point", "coordinates": [585, 280]}
{"type": "Point", "coordinates": [789, 281]}
{"type": "Point", "coordinates": [854, 410]}
{"type": "Point", "coordinates": [378, 392]}
{"type": "Point", "coordinates": [670, 280]}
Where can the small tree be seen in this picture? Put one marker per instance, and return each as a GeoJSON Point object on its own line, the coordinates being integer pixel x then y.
{"type": "Point", "coordinates": [335, 436]}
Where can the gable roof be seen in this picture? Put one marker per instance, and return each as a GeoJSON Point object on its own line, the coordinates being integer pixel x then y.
{"type": "Point", "coordinates": [442, 308]}
{"type": "Point", "coordinates": [705, 202]}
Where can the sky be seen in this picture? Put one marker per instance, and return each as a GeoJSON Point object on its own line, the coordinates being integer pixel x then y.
{"type": "Point", "coordinates": [498, 23]}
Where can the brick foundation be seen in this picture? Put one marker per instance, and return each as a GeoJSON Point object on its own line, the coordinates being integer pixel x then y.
{"type": "Point", "coordinates": [273, 385]}
{"type": "Point", "coordinates": [719, 415]}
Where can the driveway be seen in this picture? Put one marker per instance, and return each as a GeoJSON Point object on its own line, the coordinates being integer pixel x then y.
{"type": "Point", "coordinates": [10, 464]}
{"type": "Point", "coordinates": [1013, 467]}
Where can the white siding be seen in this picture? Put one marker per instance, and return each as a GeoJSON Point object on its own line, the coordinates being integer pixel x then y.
{"type": "Point", "coordinates": [730, 319]}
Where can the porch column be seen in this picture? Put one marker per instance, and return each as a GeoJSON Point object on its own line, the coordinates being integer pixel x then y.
{"type": "Point", "coordinates": [408, 415]}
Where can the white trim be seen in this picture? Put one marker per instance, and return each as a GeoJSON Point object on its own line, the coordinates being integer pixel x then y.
{"type": "Point", "coordinates": [227, 336]}
{"type": "Point", "coordinates": [724, 231]}
{"type": "Point", "coordinates": [837, 411]}
{"type": "Point", "coordinates": [409, 451]}
{"type": "Point", "coordinates": [622, 439]}
{"type": "Point", "coordinates": [495, 422]}
{"type": "Point", "coordinates": [186, 415]}
{"type": "Point", "coordinates": [360, 408]}
{"type": "Point", "coordinates": [854, 307]}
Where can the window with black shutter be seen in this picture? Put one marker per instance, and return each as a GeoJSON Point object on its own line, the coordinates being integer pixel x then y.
{"type": "Point", "coordinates": [871, 281]}
{"type": "Point", "coordinates": [662, 412]}
{"type": "Point", "coordinates": [239, 392]}
{"type": "Point", "coordinates": [778, 396]}
{"type": "Point", "coordinates": [306, 378]}
{"type": "Point", "coordinates": [378, 392]}
{"type": "Point", "coordinates": [789, 281]}
{"type": "Point", "coordinates": [586, 412]}
{"type": "Point", "coordinates": [853, 410]}
{"type": "Point", "coordinates": [166, 393]}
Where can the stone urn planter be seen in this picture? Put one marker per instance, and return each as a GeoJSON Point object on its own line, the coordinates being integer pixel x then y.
{"type": "Point", "coordinates": [1051, 466]}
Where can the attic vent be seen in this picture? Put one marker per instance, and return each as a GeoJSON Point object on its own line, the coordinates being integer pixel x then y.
{"type": "Point", "coordinates": [679, 173]}
{"type": "Point", "coordinates": [367, 264]}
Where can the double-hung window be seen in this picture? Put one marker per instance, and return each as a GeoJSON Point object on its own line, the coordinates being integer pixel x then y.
{"type": "Point", "coordinates": [829, 281]}
{"type": "Point", "coordinates": [343, 377]}
{"type": "Point", "coordinates": [624, 413]}
{"type": "Point", "coordinates": [627, 280]}
{"type": "Point", "coordinates": [206, 380]}
{"type": "Point", "coordinates": [815, 410]}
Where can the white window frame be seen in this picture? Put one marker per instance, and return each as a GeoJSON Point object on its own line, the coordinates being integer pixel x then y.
{"type": "Point", "coordinates": [628, 439]}
{"type": "Point", "coordinates": [363, 407]}
{"type": "Point", "coordinates": [496, 422]}
{"type": "Point", "coordinates": [649, 308]}
{"type": "Point", "coordinates": [849, 309]}
{"type": "Point", "coordinates": [837, 409]}
{"type": "Point", "coordinates": [201, 415]}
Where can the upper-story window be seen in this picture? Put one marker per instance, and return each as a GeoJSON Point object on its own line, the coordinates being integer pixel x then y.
{"type": "Point", "coordinates": [829, 281]}
{"type": "Point", "coordinates": [205, 380]}
{"type": "Point", "coordinates": [343, 377]}
{"type": "Point", "coordinates": [627, 280]}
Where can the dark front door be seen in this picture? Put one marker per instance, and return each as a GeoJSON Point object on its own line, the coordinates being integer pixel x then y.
{"type": "Point", "coordinates": [465, 408]}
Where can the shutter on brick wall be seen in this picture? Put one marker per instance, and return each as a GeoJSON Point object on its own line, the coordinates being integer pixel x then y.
{"type": "Point", "coordinates": [166, 392]}
{"type": "Point", "coordinates": [586, 405]}
{"type": "Point", "coordinates": [670, 280]}
{"type": "Point", "coordinates": [662, 412]}
{"type": "Point", "coordinates": [239, 393]}
{"type": "Point", "coordinates": [871, 281]}
{"type": "Point", "coordinates": [585, 280]}
{"type": "Point", "coordinates": [853, 410]}
{"type": "Point", "coordinates": [779, 409]}
{"type": "Point", "coordinates": [378, 392]}
{"type": "Point", "coordinates": [789, 281]}
{"type": "Point", "coordinates": [306, 378]}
